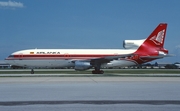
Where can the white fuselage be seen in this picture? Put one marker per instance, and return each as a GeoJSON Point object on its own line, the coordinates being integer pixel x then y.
{"type": "Point", "coordinates": [65, 57]}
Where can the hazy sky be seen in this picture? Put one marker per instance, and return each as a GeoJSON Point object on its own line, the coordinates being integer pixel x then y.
{"type": "Point", "coordinates": [27, 24]}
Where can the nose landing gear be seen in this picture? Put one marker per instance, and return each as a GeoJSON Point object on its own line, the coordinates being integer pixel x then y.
{"type": "Point", "coordinates": [32, 71]}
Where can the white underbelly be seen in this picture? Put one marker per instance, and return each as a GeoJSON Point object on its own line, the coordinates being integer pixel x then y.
{"type": "Point", "coordinates": [41, 63]}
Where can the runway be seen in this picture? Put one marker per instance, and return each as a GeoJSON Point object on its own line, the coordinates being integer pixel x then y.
{"type": "Point", "coordinates": [89, 93]}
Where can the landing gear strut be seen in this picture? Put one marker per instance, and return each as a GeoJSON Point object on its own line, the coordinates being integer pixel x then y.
{"type": "Point", "coordinates": [97, 66]}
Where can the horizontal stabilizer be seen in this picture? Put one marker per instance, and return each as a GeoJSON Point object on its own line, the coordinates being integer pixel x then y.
{"type": "Point", "coordinates": [157, 57]}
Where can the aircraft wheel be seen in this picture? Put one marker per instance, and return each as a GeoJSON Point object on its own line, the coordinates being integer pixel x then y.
{"type": "Point", "coordinates": [97, 72]}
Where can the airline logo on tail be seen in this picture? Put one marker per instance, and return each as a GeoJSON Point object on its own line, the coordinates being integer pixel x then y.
{"type": "Point", "coordinates": [158, 40]}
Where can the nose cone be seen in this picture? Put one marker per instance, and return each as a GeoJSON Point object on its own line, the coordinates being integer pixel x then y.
{"type": "Point", "coordinates": [9, 59]}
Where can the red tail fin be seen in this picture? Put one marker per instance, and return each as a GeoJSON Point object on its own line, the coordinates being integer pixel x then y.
{"type": "Point", "coordinates": [157, 37]}
{"type": "Point", "coordinates": [153, 45]}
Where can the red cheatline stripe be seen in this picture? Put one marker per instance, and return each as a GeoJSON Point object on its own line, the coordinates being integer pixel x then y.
{"type": "Point", "coordinates": [47, 58]}
{"type": "Point", "coordinates": [56, 56]}
{"type": "Point", "coordinates": [63, 55]}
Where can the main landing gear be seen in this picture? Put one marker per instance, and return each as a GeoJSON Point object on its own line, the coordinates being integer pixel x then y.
{"type": "Point", "coordinates": [97, 67]}
{"type": "Point", "coordinates": [97, 72]}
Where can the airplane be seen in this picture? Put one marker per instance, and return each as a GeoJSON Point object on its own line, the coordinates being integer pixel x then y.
{"type": "Point", "coordinates": [136, 52]}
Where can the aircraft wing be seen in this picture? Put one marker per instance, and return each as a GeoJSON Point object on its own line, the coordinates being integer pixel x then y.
{"type": "Point", "coordinates": [106, 59]}
{"type": "Point", "coordinates": [114, 57]}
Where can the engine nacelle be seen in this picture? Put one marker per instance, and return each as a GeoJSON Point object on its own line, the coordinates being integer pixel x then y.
{"type": "Point", "coordinates": [132, 44]}
{"type": "Point", "coordinates": [81, 66]}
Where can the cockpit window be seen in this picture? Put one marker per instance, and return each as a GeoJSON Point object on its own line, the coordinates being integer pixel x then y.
{"type": "Point", "coordinates": [11, 56]}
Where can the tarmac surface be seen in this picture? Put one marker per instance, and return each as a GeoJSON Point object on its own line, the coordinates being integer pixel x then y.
{"type": "Point", "coordinates": [89, 75]}
{"type": "Point", "coordinates": [89, 93]}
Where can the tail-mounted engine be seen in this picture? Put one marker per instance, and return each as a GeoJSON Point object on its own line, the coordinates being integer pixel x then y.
{"type": "Point", "coordinates": [132, 44]}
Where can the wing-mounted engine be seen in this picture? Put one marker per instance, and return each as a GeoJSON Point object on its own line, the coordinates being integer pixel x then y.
{"type": "Point", "coordinates": [81, 65]}
{"type": "Point", "coordinates": [132, 44]}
